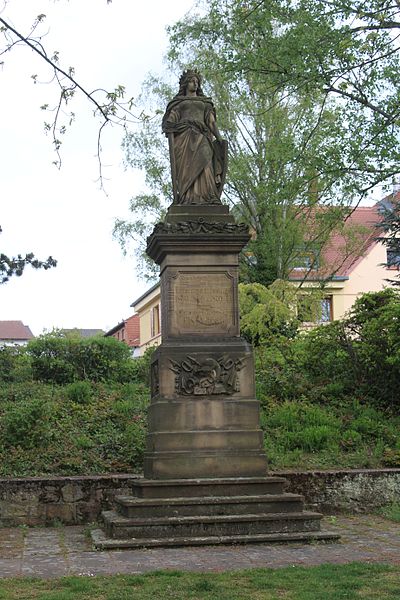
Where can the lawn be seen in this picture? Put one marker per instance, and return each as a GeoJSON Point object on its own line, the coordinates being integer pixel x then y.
{"type": "Point", "coordinates": [325, 582]}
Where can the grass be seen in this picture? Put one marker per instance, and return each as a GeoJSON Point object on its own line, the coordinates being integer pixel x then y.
{"type": "Point", "coordinates": [355, 581]}
{"type": "Point", "coordinates": [391, 512]}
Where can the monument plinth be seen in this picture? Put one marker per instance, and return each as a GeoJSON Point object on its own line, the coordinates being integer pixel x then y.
{"type": "Point", "coordinates": [205, 471]}
{"type": "Point", "coordinates": [204, 417]}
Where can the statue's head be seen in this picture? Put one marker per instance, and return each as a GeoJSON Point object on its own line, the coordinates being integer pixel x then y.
{"type": "Point", "coordinates": [186, 78]}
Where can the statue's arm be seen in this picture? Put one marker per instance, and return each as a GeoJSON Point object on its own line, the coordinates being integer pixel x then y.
{"type": "Point", "coordinates": [212, 124]}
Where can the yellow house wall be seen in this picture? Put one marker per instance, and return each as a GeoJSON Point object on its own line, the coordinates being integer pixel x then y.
{"type": "Point", "coordinates": [143, 309]}
{"type": "Point", "coordinates": [367, 276]}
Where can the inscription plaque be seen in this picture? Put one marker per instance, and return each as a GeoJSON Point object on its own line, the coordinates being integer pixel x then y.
{"type": "Point", "coordinates": [202, 303]}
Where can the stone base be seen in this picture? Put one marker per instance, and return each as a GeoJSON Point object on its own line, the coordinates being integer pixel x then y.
{"type": "Point", "coordinates": [208, 511]}
{"type": "Point", "coordinates": [204, 417]}
{"type": "Point", "coordinates": [222, 463]}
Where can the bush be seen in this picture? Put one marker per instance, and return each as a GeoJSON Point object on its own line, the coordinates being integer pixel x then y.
{"type": "Point", "coordinates": [141, 366]}
{"type": "Point", "coordinates": [82, 428]}
{"type": "Point", "coordinates": [26, 425]}
{"type": "Point", "coordinates": [79, 392]}
{"type": "Point", "coordinates": [15, 364]}
{"type": "Point", "coordinates": [62, 360]}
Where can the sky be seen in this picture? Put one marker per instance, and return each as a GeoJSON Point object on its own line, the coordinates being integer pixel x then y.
{"type": "Point", "coordinates": [64, 213]}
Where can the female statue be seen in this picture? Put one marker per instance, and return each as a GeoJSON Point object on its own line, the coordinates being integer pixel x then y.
{"type": "Point", "coordinates": [198, 161]}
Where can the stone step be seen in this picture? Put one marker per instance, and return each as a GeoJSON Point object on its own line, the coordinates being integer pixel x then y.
{"type": "Point", "coordinates": [131, 507]}
{"type": "Point", "coordinates": [188, 488]}
{"type": "Point", "coordinates": [120, 527]}
{"type": "Point", "coordinates": [102, 542]}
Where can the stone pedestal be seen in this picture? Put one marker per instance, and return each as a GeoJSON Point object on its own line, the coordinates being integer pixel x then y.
{"type": "Point", "coordinates": [205, 468]}
{"type": "Point", "coordinates": [204, 417]}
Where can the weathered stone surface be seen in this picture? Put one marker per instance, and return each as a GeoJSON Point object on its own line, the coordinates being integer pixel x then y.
{"type": "Point", "coordinates": [350, 491]}
{"type": "Point", "coordinates": [202, 368]}
{"type": "Point", "coordinates": [202, 303]}
{"type": "Point", "coordinates": [72, 500]}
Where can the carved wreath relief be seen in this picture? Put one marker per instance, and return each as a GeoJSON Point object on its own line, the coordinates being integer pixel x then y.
{"type": "Point", "coordinates": [207, 376]}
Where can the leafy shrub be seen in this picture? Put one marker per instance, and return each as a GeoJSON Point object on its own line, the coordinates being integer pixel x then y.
{"type": "Point", "coordinates": [26, 425]}
{"type": "Point", "coordinates": [135, 440]}
{"type": "Point", "coordinates": [141, 366]}
{"type": "Point", "coordinates": [61, 360]}
{"type": "Point", "coordinates": [79, 392]}
{"type": "Point", "coordinates": [268, 313]}
{"type": "Point", "coordinates": [15, 364]}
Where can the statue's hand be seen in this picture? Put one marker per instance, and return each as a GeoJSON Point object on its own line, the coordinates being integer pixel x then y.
{"type": "Point", "coordinates": [218, 179]}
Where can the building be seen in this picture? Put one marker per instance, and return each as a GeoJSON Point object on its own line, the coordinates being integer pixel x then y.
{"type": "Point", "coordinates": [349, 265]}
{"type": "Point", "coordinates": [14, 332]}
{"type": "Point", "coordinates": [127, 331]}
{"type": "Point", "coordinates": [148, 310]}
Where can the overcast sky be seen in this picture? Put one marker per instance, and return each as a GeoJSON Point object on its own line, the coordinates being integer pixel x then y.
{"type": "Point", "coordinates": [64, 213]}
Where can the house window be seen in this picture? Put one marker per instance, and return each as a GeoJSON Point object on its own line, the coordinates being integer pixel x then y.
{"type": "Point", "coordinates": [326, 310]}
{"type": "Point", "coordinates": [305, 260]}
{"type": "Point", "coordinates": [392, 258]}
{"type": "Point", "coordinates": [155, 321]}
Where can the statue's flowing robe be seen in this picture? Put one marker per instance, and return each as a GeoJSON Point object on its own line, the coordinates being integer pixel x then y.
{"type": "Point", "coordinates": [196, 163]}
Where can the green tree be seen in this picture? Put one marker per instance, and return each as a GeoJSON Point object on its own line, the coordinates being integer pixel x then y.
{"type": "Point", "coordinates": [390, 226]}
{"type": "Point", "coordinates": [61, 359]}
{"type": "Point", "coordinates": [344, 53]}
{"type": "Point", "coordinates": [271, 183]}
{"type": "Point", "coordinates": [270, 313]}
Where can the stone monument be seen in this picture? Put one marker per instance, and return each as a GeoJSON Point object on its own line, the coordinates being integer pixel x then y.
{"type": "Point", "coordinates": [205, 470]}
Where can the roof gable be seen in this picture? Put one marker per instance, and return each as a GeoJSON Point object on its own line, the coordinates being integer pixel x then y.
{"type": "Point", "coordinates": [347, 248]}
{"type": "Point", "coordinates": [15, 330]}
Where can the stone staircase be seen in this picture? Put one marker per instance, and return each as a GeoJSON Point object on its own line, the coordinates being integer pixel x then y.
{"type": "Point", "coordinates": [208, 511]}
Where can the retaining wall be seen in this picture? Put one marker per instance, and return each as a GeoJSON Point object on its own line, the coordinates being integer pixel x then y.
{"type": "Point", "coordinates": [76, 500]}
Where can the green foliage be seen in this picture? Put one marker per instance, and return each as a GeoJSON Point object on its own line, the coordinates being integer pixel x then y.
{"type": "Point", "coordinates": [267, 313]}
{"type": "Point", "coordinates": [360, 355]}
{"type": "Point", "coordinates": [391, 512]}
{"type": "Point", "coordinates": [59, 359]}
{"type": "Point", "coordinates": [15, 265]}
{"type": "Point", "coordinates": [85, 428]}
{"type": "Point", "coordinates": [141, 366]}
{"type": "Point", "coordinates": [305, 434]}
{"type": "Point", "coordinates": [391, 238]}
{"type": "Point", "coordinates": [79, 391]}
{"type": "Point", "coordinates": [26, 425]}
{"type": "Point", "coordinates": [15, 364]}
{"type": "Point", "coordinates": [349, 371]}
{"type": "Point", "coordinates": [343, 55]}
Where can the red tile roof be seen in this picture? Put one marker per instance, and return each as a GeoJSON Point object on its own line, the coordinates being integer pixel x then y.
{"type": "Point", "coordinates": [343, 253]}
{"type": "Point", "coordinates": [14, 330]}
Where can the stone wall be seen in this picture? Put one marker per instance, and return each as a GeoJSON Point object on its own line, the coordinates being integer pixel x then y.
{"type": "Point", "coordinates": [75, 500]}
{"type": "Point", "coordinates": [71, 500]}
{"type": "Point", "coordinates": [350, 491]}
